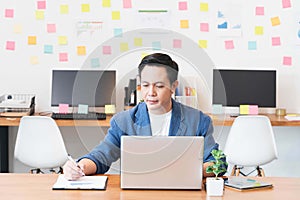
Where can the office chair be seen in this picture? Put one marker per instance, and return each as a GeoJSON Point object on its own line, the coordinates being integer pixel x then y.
{"type": "Point", "coordinates": [39, 144]}
{"type": "Point", "coordinates": [250, 143]}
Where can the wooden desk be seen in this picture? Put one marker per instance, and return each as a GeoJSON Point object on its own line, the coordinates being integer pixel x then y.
{"type": "Point", "coordinates": [39, 186]}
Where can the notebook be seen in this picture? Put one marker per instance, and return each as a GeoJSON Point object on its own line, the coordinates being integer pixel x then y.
{"type": "Point", "coordinates": [243, 183]}
{"type": "Point", "coordinates": [158, 162]}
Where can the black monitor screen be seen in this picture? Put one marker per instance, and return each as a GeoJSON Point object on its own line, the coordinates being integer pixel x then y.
{"type": "Point", "coordinates": [249, 87]}
{"type": "Point", "coordinates": [94, 88]}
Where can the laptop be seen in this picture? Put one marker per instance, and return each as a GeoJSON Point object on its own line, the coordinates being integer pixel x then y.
{"type": "Point", "coordinates": [158, 162]}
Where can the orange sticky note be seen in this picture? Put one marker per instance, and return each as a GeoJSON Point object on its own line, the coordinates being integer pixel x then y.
{"type": "Point", "coordinates": [31, 40]}
{"type": "Point", "coordinates": [106, 50]}
{"type": "Point", "coordinates": [34, 60]}
{"type": "Point", "coordinates": [202, 44]}
{"type": "Point", "coordinates": [182, 5]}
{"type": "Point", "coordinates": [63, 108]}
{"type": "Point", "coordinates": [204, 27]}
{"type": "Point", "coordinates": [177, 43]}
{"type": "Point", "coordinates": [275, 21]}
{"type": "Point", "coordinates": [229, 44]}
{"type": "Point", "coordinates": [184, 23]}
{"type": "Point", "coordinates": [115, 15]}
{"type": "Point", "coordinates": [81, 50]}
{"type": "Point", "coordinates": [287, 60]}
{"type": "Point", "coordinates": [276, 41]}
{"type": "Point", "coordinates": [10, 45]}
{"type": "Point", "coordinates": [63, 57]}
{"type": "Point", "coordinates": [259, 30]}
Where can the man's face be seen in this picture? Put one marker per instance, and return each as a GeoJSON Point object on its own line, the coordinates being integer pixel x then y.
{"type": "Point", "coordinates": [156, 89]}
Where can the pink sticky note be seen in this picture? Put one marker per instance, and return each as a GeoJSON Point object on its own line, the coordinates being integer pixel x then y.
{"type": "Point", "coordinates": [127, 4]}
{"type": "Point", "coordinates": [287, 60]}
{"type": "Point", "coordinates": [204, 27]}
{"type": "Point", "coordinates": [51, 28]}
{"type": "Point", "coordinates": [253, 109]}
{"type": "Point", "coordinates": [286, 3]}
{"type": "Point", "coordinates": [182, 5]}
{"type": "Point", "coordinates": [9, 13]}
{"type": "Point", "coordinates": [276, 41]}
{"type": "Point", "coordinates": [41, 4]}
{"type": "Point", "coordinates": [177, 43]}
{"type": "Point", "coordinates": [10, 45]}
{"type": "Point", "coordinates": [63, 108]}
{"type": "Point", "coordinates": [106, 50]}
{"type": "Point", "coordinates": [63, 57]}
{"type": "Point", "coordinates": [259, 10]}
{"type": "Point", "coordinates": [229, 44]}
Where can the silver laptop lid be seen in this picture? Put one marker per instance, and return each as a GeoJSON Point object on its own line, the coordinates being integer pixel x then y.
{"type": "Point", "coordinates": [171, 162]}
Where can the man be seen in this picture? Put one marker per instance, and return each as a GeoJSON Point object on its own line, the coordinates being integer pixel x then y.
{"type": "Point", "coordinates": [158, 115]}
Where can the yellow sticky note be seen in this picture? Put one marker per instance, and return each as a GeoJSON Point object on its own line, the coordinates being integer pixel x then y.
{"type": "Point", "coordinates": [81, 50]}
{"type": "Point", "coordinates": [184, 23]}
{"type": "Point", "coordinates": [202, 44]}
{"type": "Point", "coordinates": [124, 46]}
{"type": "Point", "coordinates": [275, 21]}
{"type": "Point", "coordinates": [259, 30]}
{"type": "Point", "coordinates": [31, 40]}
{"type": "Point", "coordinates": [85, 7]}
{"type": "Point", "coordinates": [138, 42]}
{"type": "Point", "coordinates": [62, 40]}
{"type": "Point", "coordinates": [64, 9]}
{"type": "Point", "coordinates": [204, 7]}
{"type": "Point", "coordinates": [17, 28]}
{"type": "Point", "coordinates": [110, 109]}
{"type": "Point", "coordinates": [34, 60]}
{"type": "Point", "coordinates": [115, 15]}
{"type": "Point", "coordinates": [244, 109]}
{"type": "Point", "coordinates": [106, 3]}
{"type": "Point", "coordinates": [39, 14]}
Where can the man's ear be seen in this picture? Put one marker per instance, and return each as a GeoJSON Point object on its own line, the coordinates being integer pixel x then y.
{"type": "Point", "coordinates": [174, 86]}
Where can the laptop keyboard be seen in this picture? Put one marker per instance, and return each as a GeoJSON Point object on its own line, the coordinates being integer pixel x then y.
{"type": "Point", "coordinates": [80, 116]}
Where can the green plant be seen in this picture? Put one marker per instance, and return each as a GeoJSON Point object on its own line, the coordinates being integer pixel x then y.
{"type": "Point", "coordinates": [219, 166]}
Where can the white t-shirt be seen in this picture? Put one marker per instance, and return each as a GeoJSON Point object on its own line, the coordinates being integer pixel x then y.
{"type": "Point", "coordinates": [160, 124]}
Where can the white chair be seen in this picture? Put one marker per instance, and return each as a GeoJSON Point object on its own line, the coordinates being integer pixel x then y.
{"type": "Point", "coordinates": [39, 144]}
{"type": "Point", "coordinates": [250, 143]}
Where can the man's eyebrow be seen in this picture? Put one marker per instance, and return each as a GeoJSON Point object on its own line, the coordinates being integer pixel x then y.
{"type": "Point", "coordinates": [158, 82]}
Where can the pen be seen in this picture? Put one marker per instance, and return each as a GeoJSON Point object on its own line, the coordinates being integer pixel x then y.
{"type": "Point", "coordinates": [75, 163]}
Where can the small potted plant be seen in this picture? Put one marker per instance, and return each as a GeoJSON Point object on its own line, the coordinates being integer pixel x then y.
{"type": "Point", "coordinates": [215, 185]}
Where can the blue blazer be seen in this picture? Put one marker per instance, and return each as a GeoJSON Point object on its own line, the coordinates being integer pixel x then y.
{"type": "Point", "coordinates": [185, 121]}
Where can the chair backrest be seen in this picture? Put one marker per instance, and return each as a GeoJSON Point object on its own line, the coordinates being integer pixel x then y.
{"type": "Point", "coordinates": [39, 143]}
{"type": "Point", "coordinates": [251, 141]}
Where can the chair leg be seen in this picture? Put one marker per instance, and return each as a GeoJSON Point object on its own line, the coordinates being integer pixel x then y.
{"type": "Point", "coordinates": [260, 172]}
{"type": "Point", "coordinates": [233, 171]}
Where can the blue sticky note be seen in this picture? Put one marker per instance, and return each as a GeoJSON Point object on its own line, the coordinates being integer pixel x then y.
{"type": "Point", "coordinates": [252, 45]}
{"type": "Point", "coordinates": [156, 45]}
{"type": "Point", "coordinates": [217, 109]}
{"type": "Point", "coordinates": [118, 32]}
{"type": "Point", "coordinates": [95, 62]}
{"type": "Point", "coordinates": [83, 109]}
{"type": "Point", "coordinates": [48, 49]}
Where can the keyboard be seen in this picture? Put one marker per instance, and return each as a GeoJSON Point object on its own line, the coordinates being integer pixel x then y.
{"type": "Point", "coordinates": [89, 116]}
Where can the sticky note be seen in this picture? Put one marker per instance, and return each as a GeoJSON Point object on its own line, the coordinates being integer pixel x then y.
{"type": "Point", "coordinates": [127, 4]}
{"type": "Point", "coordinates": [182, 5]}
{"type": "Point", "coordinates": [48, 49]}
{"type": "Point", "coordinates": [259, 30]}
{"type": "Point", "coordinates": [253, 109]}
{"type": "Point", "coordinates": [63, 57]}
{"type": "Point", "coordinates": [83, 109]}
{"type": "Point", "coordinates": [259, 10]}
{"type": "Point", "coordinates": [177, 43]}
{"type": "Point", "coordinates": [31, 40]}
{"type": "Point", "coordinates": [287, 60]}
{"type": "Point", "coordinates": [95, 62]}
{"type": "Point", "coordinates": [156, 45]}
{"type": "Point", "coordinates": [217, 109]}
{"type": "Point", "coordinates": [286, 3]}
{"type": "Point", "coordinates": [106, 3]}
{"type": "Point", "coordinates": [9, 13]}
{"type": "Point", "coordinates": [202, 44]}
{"type": "Point", "coordinates": [204, 27]}
{"type": "Point", "coordinates": [81, 50]}
{"type": "Point", "coordinates": [10, 45]}
{"type": "Point", "coordinates": [34, 60]}
{"type": "Point", "coordinates": [51, 28]}
{"type": "Point", "coordinates": [106, 50]}
{"type": "Point", "coordinates": [229, 44]}
{"type": "Point", "coordinates": [275, 21]}
{"type": "Point", "coordinates": [110, 109]}
{"type": "Point", "coordinates": [118, 32]}
{"type": "Point", "coordinates": [203, 7]}
{"type": "Point", "coordinates": [252, 45]}
{"type": "Point", "coordinates": [41, 4]}
{"type": "Point", "coordinates": [18, 28]}
{"type": "Point", "coordinates": [62, 40]}
{"type": "Point", "coordinates": [115, 15]}
{"type": "Point", "coordinates": [184, 23]}
{"type": "Point", "coordinates": [39, 14]}
{"type": "Point", "coordinates": [124, 46]}
{"type": "Point", "coordinates": [64, 9]}
{"type": "Point", "coordinates": [276, 41]}
{"type": "Point", "coordinates": [63, 108]}
{"type": "Point", "coordinates": [138, 42]}
{"type": "Point", "coordinates": [244, 109]}
{"type": "Point", "coordinates": [85, 7]}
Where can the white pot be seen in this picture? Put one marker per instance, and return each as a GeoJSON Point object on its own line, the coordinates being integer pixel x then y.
{"type": "Point", "coordinates": [214, 187]}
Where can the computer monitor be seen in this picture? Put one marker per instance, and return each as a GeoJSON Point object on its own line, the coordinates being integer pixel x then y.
{"type": "Point", "coordinates": [250, 87]}
{"type": "Point", "coordinates": [95, 88]}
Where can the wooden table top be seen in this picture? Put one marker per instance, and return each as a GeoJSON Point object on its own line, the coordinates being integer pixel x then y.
{"type": "Point", "coordinates": [39, 186]}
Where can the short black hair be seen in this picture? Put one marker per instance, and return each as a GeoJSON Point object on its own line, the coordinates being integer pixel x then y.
{"type": "Point", "coordinates": [163, 60]}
